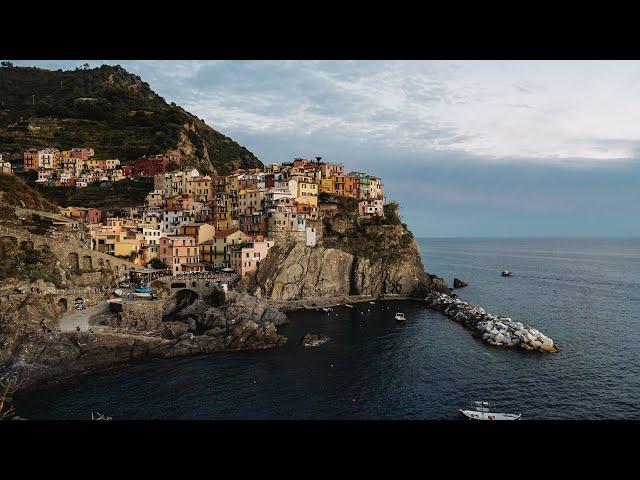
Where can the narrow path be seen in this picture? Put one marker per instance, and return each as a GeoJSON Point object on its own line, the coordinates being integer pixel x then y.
{"type": "Point", "coordinates": [73, 319]}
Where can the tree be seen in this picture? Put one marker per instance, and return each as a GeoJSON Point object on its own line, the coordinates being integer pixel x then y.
{"type": "Point", "coordinates": [6, 64]}
{"type": "Point", "coordinates": [158, 264]}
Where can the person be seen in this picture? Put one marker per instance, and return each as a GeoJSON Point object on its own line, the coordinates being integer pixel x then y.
{"type": "Point", "coordinates": [78, 328]}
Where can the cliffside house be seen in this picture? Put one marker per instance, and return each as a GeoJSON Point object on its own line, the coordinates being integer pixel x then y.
{"type": "Point", "coordinates": [246, 257]}
{"type": "Point", "coordinates": [371, 207]}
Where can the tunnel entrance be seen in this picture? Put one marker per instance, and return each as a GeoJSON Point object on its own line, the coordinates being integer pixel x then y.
{"type": "Point", "coordinates": [62, 304]}
{"type": "Point", "coordinates": [184, 298]}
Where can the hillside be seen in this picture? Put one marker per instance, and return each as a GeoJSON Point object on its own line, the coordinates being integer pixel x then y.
{"type": "Point", "coordinates": [110, 110]}
{"type": "Point", "coordinates": [122, 194]}
{"type": "Point", "coordinates": [15, 192]}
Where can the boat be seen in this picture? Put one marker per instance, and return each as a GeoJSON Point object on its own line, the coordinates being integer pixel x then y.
{"type": "Point", "coordinates": [348, 306]}
{"type": "Point", "coordinates": [142, 295]}
{"type": "Point", "coordinates": [400, 317]}
{"type": "Point", "coordinates": [506, 273]}
{"type": "Point", "coordinates": [482, 411]}
{"type": "Point", "coordinates": [372, 303]}
{"type": "Point", "coordinates": [99, 416]}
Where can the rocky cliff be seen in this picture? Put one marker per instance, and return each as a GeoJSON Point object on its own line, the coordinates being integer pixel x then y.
{"type": "Point", "coordinates": [356, 256]}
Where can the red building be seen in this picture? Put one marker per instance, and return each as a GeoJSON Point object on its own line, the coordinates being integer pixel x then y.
{"type": "Point", "coordinates": [269, 180]}
{"type": "Point", "coordinates": [153, 165]}
{"type": "Point", "coordinates": [93, 216]}
{"type": "Point", "coordinates": [82, 153]}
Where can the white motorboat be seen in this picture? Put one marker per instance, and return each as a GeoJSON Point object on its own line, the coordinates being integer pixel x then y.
{"type": "Point", "coordinates": [506, 273]}
{"type": "Point", "coordinates": [348, 306]}
{"type": "Point", "coordinates": [372, 303]}
{"type": "Point", "coordinates": [400, 317]}
{"type": "Point", "coordinates": [483, 412]}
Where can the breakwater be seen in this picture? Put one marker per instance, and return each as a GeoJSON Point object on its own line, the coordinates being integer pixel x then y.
{"type": "Point", "coordinates": [492, 329]}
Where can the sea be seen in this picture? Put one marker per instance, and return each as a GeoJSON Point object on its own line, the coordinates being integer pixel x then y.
{"type": "Point", "coordinates": [583, 293]}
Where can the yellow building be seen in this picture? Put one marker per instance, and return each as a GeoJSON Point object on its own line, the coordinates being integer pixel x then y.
{"type": "Point", "coordinates": [202, 189]}
{"type": "Point", "coordinates": [307, 189]}
{"type": "Point", "coordinates": [60, 157]}
{"type": "Point", "coordinates": [214, 252]}
{"type": "Point", "coordinates": [202, 232]}
{"type": "Point", "coordinates": [327, 185]}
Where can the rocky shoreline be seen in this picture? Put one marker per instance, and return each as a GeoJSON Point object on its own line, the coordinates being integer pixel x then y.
{"type": "Point", "coordinates": [34, 355]}
{"type": "Point", "coordinates": [491, 329]}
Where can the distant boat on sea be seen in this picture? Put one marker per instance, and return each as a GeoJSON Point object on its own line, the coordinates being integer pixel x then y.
{"type": "Point", "coordinates": [482, 412]}
{"type": "Point", "coordinates": [506, 273]}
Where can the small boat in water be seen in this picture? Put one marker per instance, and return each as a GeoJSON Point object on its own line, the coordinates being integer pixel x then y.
{"type": "Point", "coordinates": [482, 412]}
{"type": "Point", "coordinates": [372, 303]}
{"type": "Point", "coordinates": [99, 416]}
{"type": "Point", "coordinates": [506, 273]}
{"type": "Point", "coordinates": [348, 306]}
{"type": "Point", "coordinates": [400, 317]}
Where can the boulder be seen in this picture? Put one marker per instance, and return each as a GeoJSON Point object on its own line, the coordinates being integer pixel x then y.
{"type": "Point", "coordinates": [172, 330]}
{"type": "Point", "coordinates": [457, 283]}
{"type": "Point", "coordinates": [314, 339]}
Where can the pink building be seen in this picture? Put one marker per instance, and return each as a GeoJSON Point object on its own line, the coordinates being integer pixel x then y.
{"type": "Point", "coordinates": [246, 257]}
{"type": "Point", "coordinates": [184, 202]}
{"type": "Point", "coordinates": [180, 253]}
{"type": "Point", "coordinates": [82, 153]}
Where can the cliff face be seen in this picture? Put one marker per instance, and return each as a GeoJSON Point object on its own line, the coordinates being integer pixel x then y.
{"type": "Point", "coordinates": [355, 257]}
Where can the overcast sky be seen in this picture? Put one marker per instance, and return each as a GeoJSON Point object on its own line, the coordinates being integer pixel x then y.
{"type": "Point", "coordinates": [469, 148]}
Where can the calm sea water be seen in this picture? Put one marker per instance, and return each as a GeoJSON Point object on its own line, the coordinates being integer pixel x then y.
{"type": "Point", "coordinates": [584, 293]}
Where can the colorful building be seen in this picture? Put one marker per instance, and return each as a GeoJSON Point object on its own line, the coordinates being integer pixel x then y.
{"type": "Point", "coordinates": [180, 253]}
{"type": "Point", "coordinates": [246, 257]}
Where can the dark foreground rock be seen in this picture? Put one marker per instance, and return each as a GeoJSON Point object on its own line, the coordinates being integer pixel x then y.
{"type": "Point", "coordinates": [491, 329]}
{"type": "Point", "coordinates": [457, 283]}
{"type": "Point", "coordinates": [33, 353]}
{"type": "Point", "coordinates": [314, 339]}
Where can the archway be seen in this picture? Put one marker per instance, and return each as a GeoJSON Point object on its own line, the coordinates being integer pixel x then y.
{"type": "Point", "coordinates": [79, 303]}
{"type": "Point", "coordinates": [62, 304]}
{"type": "Point", "coordinates": [184, 298]}
{"type": "Point", "coordinates": [72, 261]}
{"type": "Point", "coordinates": [26, 245]}
{"type": "Point", "coordinates": [9, 239]}
{"type": "Point", "coordinates": [87, 263]}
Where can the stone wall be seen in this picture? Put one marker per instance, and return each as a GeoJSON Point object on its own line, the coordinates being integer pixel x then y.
{"type": "Point", "coordinates": [144, 315]}
{"type": "Point", "coordinates": [70, 252]}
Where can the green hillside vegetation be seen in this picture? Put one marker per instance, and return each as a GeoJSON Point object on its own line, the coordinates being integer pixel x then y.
{"type": "Point", "coordinates": [110, 110]}
{"type": "Point", "coordinates": [23, 262]}
{"type": "Point", "coordinates": [123, 194]}
{"type": "Point", "coordinates": [14, 191]}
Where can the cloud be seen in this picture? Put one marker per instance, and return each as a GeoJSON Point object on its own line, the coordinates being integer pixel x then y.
{"type": "Point", "coordinates": [560, 113]}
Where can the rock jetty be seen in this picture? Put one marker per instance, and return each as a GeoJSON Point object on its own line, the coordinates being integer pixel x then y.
{"type": "Point", "coordinates": [492, 329]}
{"type": "Point", "coordinates": [314, 339]}
{"type": "Point", "coordinates": [457, 283]}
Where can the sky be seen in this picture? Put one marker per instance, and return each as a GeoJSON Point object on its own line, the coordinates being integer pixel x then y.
{"type": "Point", "coordinates": [468, 148]}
